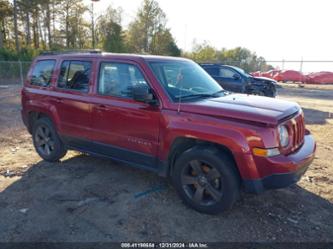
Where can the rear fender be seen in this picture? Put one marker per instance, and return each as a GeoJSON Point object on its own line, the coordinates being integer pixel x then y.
{"type": "Point", "coordinates": [45, 108]}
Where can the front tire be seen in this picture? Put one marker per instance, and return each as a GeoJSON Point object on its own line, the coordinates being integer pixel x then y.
{"type": "Point", "coordinates": [46, 140]}
{"type": "Point", "coordinates": [206, 179]}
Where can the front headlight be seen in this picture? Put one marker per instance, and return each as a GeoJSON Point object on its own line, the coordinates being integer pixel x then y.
{"type": "Point", "coordinates": [283, 135]}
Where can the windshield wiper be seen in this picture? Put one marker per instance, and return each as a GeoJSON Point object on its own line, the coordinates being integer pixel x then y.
{"type": "Point", "coordinates": [201, 95]}
{"type": "Point", "coordinates": [197, 95]}
{"type": "Point", "coordinates": [220, 91]}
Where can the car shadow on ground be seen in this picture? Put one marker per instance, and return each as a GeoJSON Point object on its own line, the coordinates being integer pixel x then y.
{"type": "Point", "coordinates": [314, 116]}
{"type": "Point", "coordinates": [89, 199]}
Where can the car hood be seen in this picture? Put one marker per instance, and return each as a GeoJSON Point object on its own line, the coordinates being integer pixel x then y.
{"type": "Point", "coordinates": [263, 79]}
{"type": "Point", "coordinates": [244, 107]}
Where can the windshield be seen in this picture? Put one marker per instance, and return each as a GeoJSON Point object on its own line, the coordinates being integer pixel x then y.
{"type": "Point", "coordinates": [185, 79]}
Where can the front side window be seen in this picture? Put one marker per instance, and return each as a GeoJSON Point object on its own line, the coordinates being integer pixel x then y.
{"type": "Point", "coordinates": [75, 75]}
{"type": "Point", "coordinates": [118, 79]}
{"type": "Point", "coordinates": [226, 73]}
{"type": "Point", "coordinates": [185, 79]}
{"type": "Point", "coordinates": [42, 73]}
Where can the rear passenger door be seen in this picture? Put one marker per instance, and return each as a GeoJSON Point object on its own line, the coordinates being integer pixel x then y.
{"type": "Point", "coordinates": [123, 128]}
{"type": "Point", "coordinates": [72, 98]}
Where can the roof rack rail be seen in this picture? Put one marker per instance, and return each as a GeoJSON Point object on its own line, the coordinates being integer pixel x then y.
{"type": "Point", "coordinates": [86, 51]}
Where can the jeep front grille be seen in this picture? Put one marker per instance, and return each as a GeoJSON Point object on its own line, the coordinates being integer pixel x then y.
{"type": "Point", "coordinates": [296, 129]}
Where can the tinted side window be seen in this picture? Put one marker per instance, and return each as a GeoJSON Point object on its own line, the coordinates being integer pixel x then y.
{"type": "Point", "coordinates": [226, 73]}
{"type": "Point", "coordinates": [42, 73]}
{"type": "Point", "coordinates": [75, 75]}
{"type": "Point", "coordinates": [212, 71]}
{"type": "Point", "coordinates": [118, 79]}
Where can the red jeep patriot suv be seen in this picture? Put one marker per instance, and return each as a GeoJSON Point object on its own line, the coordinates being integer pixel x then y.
{"type": "Point", "coordinates": [169, 116]}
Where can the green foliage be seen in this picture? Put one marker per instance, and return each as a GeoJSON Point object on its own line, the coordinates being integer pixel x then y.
{"type": "Point", "coordinates": [164, 44]}
{"type": "Point", "coordinates": [6, 11]}
{"type": "Point", "coordinates": [203, 53]}
{"type": "Point", "coordinates": [75, 29]}
{"type": "Point", "coordinates": [109, 31]}
{"type": "Point", "coordinates": [24, 54]}
{"type": "Point", "coordinates": [148, 34]}
{"type": "Point", "coordinates": [60, 25]}
{"type": "Point", "coordinates": [240, 57]}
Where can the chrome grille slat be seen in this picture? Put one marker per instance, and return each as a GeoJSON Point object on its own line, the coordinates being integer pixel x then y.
{"type": "Point", "coordinates": [298, 133]}
{"type": "Point", "coordinates": [294, 136]}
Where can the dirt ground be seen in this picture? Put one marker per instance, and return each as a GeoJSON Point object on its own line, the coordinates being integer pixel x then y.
{"type": "Point", "coordinates": [83, 198]}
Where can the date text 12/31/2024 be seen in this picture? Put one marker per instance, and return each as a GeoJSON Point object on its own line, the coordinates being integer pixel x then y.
{"type": "Point", "coordinates": [163, 245]}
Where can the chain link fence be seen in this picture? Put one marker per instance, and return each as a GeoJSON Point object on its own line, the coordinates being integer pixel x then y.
{"type": "Point", "coordinates": [13, 72]}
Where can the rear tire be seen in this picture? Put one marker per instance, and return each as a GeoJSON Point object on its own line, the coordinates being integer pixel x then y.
{"type": "Point", "coordinates": [206, 179]}
{"type": "Point", "coordinates": [46, 140]}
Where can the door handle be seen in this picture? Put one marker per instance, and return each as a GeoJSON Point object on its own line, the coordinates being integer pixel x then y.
{"type": "Point", "coordinates": [101, 107]}
{"type": "Point", "coordinates": [58, 100]}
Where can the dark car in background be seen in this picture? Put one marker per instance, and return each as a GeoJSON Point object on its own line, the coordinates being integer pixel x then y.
{"type": "Point", "coordinates": [235, 79]}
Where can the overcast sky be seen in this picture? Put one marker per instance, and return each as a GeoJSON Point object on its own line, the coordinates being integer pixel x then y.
{"type": "Point", "coordinates": [276, 30]}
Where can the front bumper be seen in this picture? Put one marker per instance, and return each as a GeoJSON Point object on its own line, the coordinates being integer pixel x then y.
{"type": "Point", "coordinates": [287, 169]}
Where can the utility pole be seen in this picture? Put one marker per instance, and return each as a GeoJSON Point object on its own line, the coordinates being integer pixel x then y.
{"type": "Point", "coordinates": [301, 70]}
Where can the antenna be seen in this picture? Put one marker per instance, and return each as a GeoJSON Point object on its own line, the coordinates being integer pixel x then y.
{"type": "Point", "coordinates": [180, 96]}
{"type": "Point", "coordinates": [180, 100]}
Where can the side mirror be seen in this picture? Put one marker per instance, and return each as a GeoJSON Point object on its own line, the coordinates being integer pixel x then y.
{"type": "Point", "coordinates": [236, 76]}
{"type": "Point", "coordinates": [142, 93]}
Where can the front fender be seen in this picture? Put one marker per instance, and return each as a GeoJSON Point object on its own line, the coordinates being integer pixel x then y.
{"type": "Point", "coordinates": [209, 129]}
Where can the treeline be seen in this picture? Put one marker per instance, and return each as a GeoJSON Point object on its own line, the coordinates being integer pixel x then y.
{"type": "Point", "coordinates": [28, 27]}
{"type": "Point", "coordinates": [60, 24]}
{"type": "Point", "coordinates": [240, 57]}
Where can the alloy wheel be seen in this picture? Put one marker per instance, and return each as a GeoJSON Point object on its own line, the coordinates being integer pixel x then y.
{"type": "Point", "coordinates": [202, 183]}
{"type": "Point", "coordinates": [44, 140]}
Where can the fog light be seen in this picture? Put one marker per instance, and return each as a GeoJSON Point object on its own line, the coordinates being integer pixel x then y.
{"type": "Point", "coordinates": [266, 152]}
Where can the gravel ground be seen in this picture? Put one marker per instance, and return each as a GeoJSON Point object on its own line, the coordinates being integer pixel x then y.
{"type": "Point", "coordinates": [83, 198]}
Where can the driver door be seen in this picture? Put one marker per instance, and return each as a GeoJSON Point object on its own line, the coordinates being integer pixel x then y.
{"type": "Point", "coordinates": [230, 80]}
{"type": "Point", "coordinates": [123, 128]}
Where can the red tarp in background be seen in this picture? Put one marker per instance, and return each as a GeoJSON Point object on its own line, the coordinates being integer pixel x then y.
{"type": "Point", "coordinates": [320, 78]}
{"type": "Point", "coordinates": [296, 76]}
{"type": "Point", "coordinates": [289, 75]}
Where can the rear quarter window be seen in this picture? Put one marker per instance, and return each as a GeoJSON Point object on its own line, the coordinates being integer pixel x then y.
{"type": "Point", "coordinates": [42, 73]}
{"type": "Point", "coordinates": [212, 71]}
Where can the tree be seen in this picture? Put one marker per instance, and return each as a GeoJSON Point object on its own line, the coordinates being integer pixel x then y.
{"type": "Point", "coordinates": [147, 30]}
{"type": "Point", "coordinates": [243, 58]}
{"type": "Point", "coordinates": [26, 9]}
{"type": "Point", "coordinates": [164, 44]}
{"type": "Point", "coordinates": [240, 57]}
{"type": "Point", "coordinates": [73, 23]}
{"type": "Point", "coordinates": [17, 45]}
{"type": "Point", "coordinates": [109, 31]}
{"type": "Point", "coordinates": [203, 53]}
{"type": "Point", "coordinates": [5, 13]}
